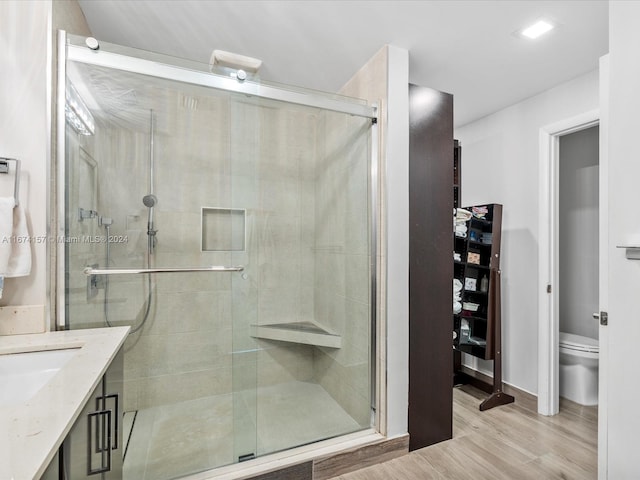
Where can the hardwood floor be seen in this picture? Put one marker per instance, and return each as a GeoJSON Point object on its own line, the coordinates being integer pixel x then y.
{"type": "Point", "coordinates": [508, 442]}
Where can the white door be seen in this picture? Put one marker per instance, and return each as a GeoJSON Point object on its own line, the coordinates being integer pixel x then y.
{"type": "Point", "coordinates": [621, 97]}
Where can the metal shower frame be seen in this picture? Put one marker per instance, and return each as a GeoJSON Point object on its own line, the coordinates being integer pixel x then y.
{"type": "Point", "coordinates": [119, 61]}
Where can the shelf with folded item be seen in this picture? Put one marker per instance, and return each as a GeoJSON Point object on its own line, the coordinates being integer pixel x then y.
{"type": "Point", "coordinates": [475, 297]}
{"type": "Point", "coordinates": [479, 220]}
{"type": "Point", "coordinates": [469, 335]}
{"type": "Point", "coordinates": [471, 317]}
{"type": "Point", "coordinates": [478, 257]}
{"type": "Point", "coordinates": [478, 266]}
{"type": "Point", "coordinates": [475, 243]}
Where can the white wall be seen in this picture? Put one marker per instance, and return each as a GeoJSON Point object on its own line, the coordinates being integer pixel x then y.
{"type": "Point", "coordinates": [384, 79]}
{"type": "Point", "coordinates": [397, 216]}
{"type": "Point", "coordinates": [24, 35]}
{"type": "Point", "coordinates": [578, 217]}
{"type": "Point", "coordinates": [624, 229]}
{"type": "Point", "coordinates": [500, 165]}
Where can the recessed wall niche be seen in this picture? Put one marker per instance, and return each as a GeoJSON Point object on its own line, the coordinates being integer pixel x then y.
{"type": "Point", "coordinates": [223, 229]}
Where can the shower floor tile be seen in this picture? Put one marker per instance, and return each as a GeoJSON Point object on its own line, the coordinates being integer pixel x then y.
{"type": "Point", "coordinates": [297, 413]}
{"type": "Point", "coordinates": [170, 441]}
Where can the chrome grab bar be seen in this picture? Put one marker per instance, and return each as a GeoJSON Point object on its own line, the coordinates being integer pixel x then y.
{"type": "Point", "coordinates": [130, 271]}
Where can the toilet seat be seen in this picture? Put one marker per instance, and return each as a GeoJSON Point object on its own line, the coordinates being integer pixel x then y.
{"type": "Point", "coordinates": [578, 343]}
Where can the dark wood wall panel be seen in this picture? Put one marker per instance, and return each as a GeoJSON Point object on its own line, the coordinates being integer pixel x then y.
{"type": "Point", "coordinates": [430, 266]}
{"type": "Point", "coordinates": [360, 457]}
{"type": "Point", "coordinates": [301, 471]}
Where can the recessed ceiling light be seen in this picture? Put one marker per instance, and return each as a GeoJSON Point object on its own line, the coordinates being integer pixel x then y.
{"type": "Point", "coordinates": [537, 29]}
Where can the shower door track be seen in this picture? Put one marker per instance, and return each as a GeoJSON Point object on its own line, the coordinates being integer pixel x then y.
{"type": "Point", "coordinates": [149, 67]}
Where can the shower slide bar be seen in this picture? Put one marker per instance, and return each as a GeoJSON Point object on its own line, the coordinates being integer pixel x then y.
{"type": "Point", "coordinates": [133, 271]}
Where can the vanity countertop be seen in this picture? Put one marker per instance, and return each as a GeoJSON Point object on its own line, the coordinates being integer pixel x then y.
{"type": "Point", "coordinates": [31, 432]}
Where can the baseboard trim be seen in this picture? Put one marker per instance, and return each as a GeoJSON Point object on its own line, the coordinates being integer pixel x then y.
{"type": "Point", "coordinates": [361, 457]}
{"type": "Point", "coordinates": [319, 461]}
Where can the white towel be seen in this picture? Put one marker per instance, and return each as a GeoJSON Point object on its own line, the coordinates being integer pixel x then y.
{"type": "Point", "coordinates": [15, 248]}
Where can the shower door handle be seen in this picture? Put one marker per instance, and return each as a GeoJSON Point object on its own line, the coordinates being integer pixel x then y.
{"type": "Point", "coordinates": [134, 271]}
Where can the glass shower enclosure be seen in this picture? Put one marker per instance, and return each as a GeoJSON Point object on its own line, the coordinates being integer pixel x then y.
{"type": "Point", "coordinates": [230, 224]}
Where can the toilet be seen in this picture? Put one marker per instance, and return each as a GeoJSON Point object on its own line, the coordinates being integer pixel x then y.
{"type": "Point", "coordinates": [579, 368]}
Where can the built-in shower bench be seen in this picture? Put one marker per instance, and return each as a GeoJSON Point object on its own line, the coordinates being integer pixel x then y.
{"type": "Point", "coordinates": [308, 333]}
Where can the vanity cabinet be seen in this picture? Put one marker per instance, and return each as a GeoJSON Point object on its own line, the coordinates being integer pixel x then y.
{"type": "Point", "coordinates": [53, 470]}
{"type": "Point", "coordinates": [93, 448]}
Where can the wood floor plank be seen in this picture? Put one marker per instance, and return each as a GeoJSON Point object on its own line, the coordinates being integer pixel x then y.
{"type": "Point", "coordinates": [504, 443]}
{"type": "Point", "coordinates": [552, 466]}
{"type": "Point", "coordinates": [411, 466]}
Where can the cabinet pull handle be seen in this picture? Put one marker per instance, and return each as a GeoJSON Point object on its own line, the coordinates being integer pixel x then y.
{"type": "Point", "coordinates": [116, 419]}
{"type": "Point", "coordinates": [101, 404]}
{"type": "Point", "coordinates": [102, 419]}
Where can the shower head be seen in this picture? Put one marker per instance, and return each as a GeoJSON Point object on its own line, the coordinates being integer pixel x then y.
{"type": "Point", "coordinates": [149, 200]}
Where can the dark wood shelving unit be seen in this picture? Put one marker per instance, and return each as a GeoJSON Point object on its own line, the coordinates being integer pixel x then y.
{"type": "Point", "coordinates": [457, 172]}
{"type": "Point", "coordinates": [478, 326]}
{"type": "Point", "coordinates": [430, 409]}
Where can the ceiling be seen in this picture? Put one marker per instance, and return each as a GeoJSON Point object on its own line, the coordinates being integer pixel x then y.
{"type": "Point", "coordinates": [466, 48]}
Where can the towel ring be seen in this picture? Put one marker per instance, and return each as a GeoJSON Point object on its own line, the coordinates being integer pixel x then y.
{"type": "Point", "coordinates": [4, 168]}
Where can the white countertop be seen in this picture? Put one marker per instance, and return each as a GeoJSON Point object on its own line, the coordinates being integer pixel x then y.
{"type": "Point", "coordinates": [31, 433]}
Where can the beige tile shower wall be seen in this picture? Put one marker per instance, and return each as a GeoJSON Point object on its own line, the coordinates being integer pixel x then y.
{"type": "Point", "coordinates": [185, 349]}
{"type": "Point", "coordinates": [221, 154]}
{"type": "Point", "coordinates": [283, 240]}
{"type": "Point", "coordinates": [82, 250]}
{"type": "Point", "coordinates": [95, 181]}
{"type": "Point", "coordinates": [342, 275]}
{"type": "Point", "coordinates": [342, 267]}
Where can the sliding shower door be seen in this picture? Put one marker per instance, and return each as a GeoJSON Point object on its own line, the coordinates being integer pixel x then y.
{"type": "Point", "coordinates": [165, 176]}
{"type": "Point", "coordinates": [301, 308]}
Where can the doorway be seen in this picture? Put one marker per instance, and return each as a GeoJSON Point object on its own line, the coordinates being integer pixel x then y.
{"type": "Point", "coordinates": [578, 232]}
{"type": "Point", "coordinates": [577, 264]}
{"type": "Point", "coordinates": [550, 226]}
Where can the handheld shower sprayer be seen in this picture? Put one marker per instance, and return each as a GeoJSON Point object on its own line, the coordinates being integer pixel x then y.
{"type": "Point", "coordinates": [150, 201]}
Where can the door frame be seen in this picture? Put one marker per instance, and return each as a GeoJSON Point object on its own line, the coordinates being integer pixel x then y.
{"type": "Point", "coordinates": [548, 278]}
